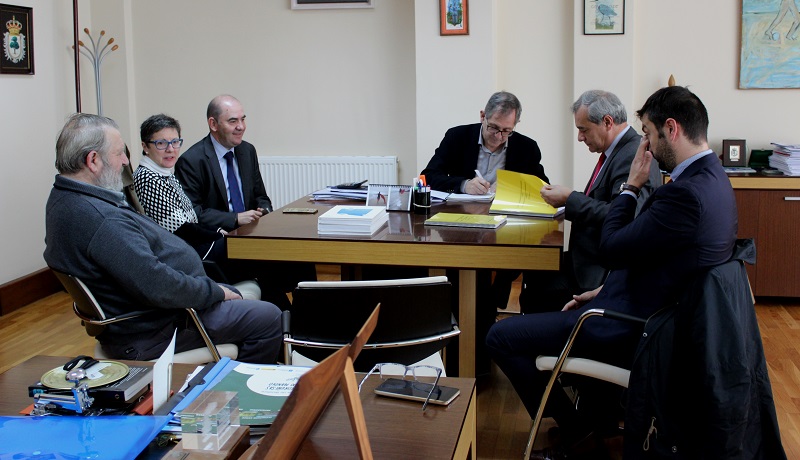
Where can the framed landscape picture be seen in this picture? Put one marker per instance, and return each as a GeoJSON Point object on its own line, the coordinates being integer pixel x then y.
{"type": "Point", "coordinates": [17, 39]}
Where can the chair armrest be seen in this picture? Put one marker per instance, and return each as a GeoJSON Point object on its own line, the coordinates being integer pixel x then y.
{"type": "Point", "coordinates": [286, 323]}
{"type": "Point", "coordinates": [115, 319]}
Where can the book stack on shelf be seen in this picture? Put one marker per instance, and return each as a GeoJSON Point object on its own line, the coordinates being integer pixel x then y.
{"type": "Point", "coordinates": [352, 220]}
{"type": "Point", "coordinates": [786, 158]}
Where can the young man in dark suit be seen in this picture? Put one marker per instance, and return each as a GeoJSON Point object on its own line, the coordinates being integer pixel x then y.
{"type": "Point", "coordinates": [220, 175]}
{"type": "Point", "coordinates": [602, 123]}
{"type": "Point", "coordinates": [685, 226]}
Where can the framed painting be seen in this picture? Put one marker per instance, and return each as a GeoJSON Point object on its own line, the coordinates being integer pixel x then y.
{"type": "Point", "coordinates": [770, 54]}
{"type": "Point", "coordinates": [453, 17]}
{"type": "Point", "coordinates": [327, 4]}
{"type": "Point", "coordinates": [734, 153]}
{"type": "Point", "coordinates": [17, 39]}
{"type": "Point", "coordinates": [603, 17]}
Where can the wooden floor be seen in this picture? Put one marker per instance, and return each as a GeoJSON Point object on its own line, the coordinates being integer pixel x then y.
{"type": "Point", "coordinates": [48, 327]}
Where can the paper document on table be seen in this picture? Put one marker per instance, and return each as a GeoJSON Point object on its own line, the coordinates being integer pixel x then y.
{"type": "Point", "coordinates": [461, 197]}
{"type": "Point", "coordinates": [520, 194]}
{"type": "Point", "coordinates": [162, 374]}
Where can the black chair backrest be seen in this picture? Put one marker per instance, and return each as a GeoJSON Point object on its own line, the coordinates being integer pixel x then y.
{"type": "Point", "coordinates": [335, 314]}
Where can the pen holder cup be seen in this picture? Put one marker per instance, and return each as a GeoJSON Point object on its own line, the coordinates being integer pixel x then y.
{"type": "Point", "coordinates": [421, 202]}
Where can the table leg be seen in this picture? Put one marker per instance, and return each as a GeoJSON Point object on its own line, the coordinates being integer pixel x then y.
{"type": "Point", "coordinates": [466, 322]}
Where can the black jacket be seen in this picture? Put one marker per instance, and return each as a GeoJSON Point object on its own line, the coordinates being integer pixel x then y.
{"type": "Point", "coordinates": [457, 157]}
{"type": "Point", "coordinates": [699, 386]}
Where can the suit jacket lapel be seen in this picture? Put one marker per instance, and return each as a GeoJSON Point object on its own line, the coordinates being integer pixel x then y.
{"type": "Point", "coordinates": [245, 178]}
{"type": "Point", "coordinates": [622, 142]}
{"type": "Point", "coordinates": [216, 172]}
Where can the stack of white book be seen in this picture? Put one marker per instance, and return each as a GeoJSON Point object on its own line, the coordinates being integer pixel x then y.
{"type": "Point", "coordinates": [352, 220]}
{"type": "Point", "coordinates": [786, 158]}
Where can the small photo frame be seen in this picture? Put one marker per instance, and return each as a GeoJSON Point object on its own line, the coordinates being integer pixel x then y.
{"type": "Point", "coordinates": [453, 17]}
{"type": "Point", "coordinates": [17, 33]}
{"type": "Point", "coordinates": [329, 4]}
{"type": "Point", "coordinates": [603, 17]}
{"type": "Point", "coordinates": [734, 153]}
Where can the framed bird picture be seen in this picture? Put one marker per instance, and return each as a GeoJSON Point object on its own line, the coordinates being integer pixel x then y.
{"type": "Point", "coordinates": [603, 17]}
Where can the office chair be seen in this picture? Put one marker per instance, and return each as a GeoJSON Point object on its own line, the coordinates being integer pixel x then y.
{"type": "Point", "coordinates": [94, 320]}
{"type": "Point", "coordinates": [416, 322]}
{"type": "Point", "coordinates": [579, 366]}
{"type": "Point", "coordinates": [699, 382]}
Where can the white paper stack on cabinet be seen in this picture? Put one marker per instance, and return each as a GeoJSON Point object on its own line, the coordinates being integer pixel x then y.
{"type": "Point", "coordinates": [352, 220]}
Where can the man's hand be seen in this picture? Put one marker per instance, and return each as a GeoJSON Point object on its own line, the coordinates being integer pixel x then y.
{"type": "Point", "coordinates": [244, 218]}
{"type": "Point", "coordinates": [230, 295]}
{"type": "Point", "coordinates": [555, 195]}
{"type": "Point", "coordinates": [477, 186]}
{"type": "Point", "coordinates": [580, 300]}
{"type": "Point", "coordinates": [640, 166]}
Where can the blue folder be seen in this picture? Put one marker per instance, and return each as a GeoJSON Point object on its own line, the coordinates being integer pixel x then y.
{"type": "Point", "coordinates": [72, 437]}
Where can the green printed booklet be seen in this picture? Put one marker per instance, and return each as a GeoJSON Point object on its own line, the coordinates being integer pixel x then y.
{"type": "Point", "coordinates": [451, 219]}
{"type": "Point", "coordinates": [262, 388]}
{"type": "Point", "coordinates": [520, 194]}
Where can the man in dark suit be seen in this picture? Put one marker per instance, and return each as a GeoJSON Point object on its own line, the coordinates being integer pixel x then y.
{"type": "Point", "coordinates": [685, 226]}
{"type": "Point", "coordinates": [484, 147]}
{"type": "Point", "coordinates": [206, 168]}
{"type": "Point", "coordinates": [602, 124]}
{"type": "Point", "coordinates": [220, 175]}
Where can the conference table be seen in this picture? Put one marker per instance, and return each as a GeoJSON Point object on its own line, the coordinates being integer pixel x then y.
{"type": "Point", "coordinates": [522, 244]}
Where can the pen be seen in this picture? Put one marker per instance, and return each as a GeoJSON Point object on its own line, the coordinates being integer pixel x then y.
{"type": "Point", "coordinates": [422, 179]}
{"type": "Point", "coordinates": [478, 174]}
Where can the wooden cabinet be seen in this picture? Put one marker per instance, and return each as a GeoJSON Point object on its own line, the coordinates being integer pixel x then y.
{"type": "Point", "coordinates": [769, 212]}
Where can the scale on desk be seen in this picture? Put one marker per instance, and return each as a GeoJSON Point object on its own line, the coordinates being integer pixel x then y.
{"type": "Point", "coordinates": [66, 389]}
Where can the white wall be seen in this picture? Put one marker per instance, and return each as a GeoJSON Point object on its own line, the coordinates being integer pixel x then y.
{"type": "Point", "coordinates": [701, 49]}
{"type": "Point", "coordinates": [312, 82]}
{"type": "Point", "coordinates": [364, 81]}
{"type": "Point", "coordinates": [33, 110]}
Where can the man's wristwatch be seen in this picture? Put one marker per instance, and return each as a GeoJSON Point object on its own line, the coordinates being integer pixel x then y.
{"type": "Point", "coordinates": [632, 188]}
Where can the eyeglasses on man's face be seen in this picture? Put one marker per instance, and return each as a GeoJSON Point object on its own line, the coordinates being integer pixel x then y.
{"type": "Point", "coordinates": [162, 144]}
{"type": "Point", "coordinates": [494, 130]}
{"type": "Point", "coordinates": [401, 370]}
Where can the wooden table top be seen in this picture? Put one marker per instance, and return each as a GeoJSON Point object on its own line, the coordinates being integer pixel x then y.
{"type": "Point", "coordinates": [522, 243]}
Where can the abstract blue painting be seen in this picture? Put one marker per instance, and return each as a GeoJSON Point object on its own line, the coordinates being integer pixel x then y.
{"type": "Point", "coordinates": [770, 44]}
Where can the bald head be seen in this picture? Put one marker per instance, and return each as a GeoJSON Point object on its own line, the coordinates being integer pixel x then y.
{"type": "Point", "coordinates": [226, 120]}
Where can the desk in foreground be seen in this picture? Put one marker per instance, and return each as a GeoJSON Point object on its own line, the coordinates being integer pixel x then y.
{"type": "Point", "coordinates": [520, 244]}
{"type": "Point", "coordinates": [398, 428]}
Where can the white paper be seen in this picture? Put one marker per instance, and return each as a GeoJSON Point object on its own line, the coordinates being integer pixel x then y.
{"type": "Point", "coordinates": [162, 375]}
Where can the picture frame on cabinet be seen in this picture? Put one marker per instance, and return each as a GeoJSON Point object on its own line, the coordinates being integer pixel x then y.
{"type": "Point", "coordinates": [734, 153]}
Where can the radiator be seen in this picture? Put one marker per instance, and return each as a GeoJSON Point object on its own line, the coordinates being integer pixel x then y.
{"type": "Point", "coordinates": [290, 178]}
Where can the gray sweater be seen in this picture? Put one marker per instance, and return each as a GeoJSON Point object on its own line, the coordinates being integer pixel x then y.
{"type": "Point", "coordinates": [128, 261]}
